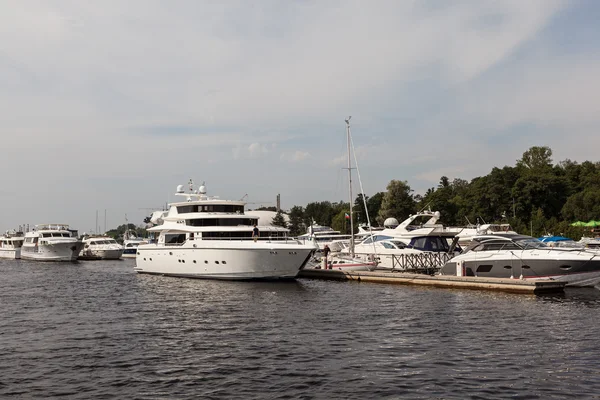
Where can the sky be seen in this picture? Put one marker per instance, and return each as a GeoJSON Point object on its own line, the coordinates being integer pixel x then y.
{"type": "Point", "coordinates": [108, 105]}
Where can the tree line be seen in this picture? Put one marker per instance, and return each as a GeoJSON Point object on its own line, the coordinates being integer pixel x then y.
{"type": "Point", "coordinates": [535, 196]}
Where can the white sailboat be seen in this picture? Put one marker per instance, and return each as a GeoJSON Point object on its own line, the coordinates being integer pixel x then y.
{"type": "Point", "coordinates": [348, 261]}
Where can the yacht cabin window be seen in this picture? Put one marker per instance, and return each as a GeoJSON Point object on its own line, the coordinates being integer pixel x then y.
{"type": "Point", "coordinates": [221, 221]}
{"type": "Point", "coordinates": [174, 239]}
{"type": "Point", "coordinates": [55, 234]}
{"type": "Point", "coordinates": [430, 243]}
{"type": "Point", "coordinates": [219, 208]}
{"type": "Point", "coordinates": [494, 245]}
{"type": "Point", "coordinates": [264, 235]}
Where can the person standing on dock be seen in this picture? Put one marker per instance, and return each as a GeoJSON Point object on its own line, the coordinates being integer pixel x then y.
{"type": "Point", "coordinates": [255, 233]}
{"type": "Point", "coordinates": [326, 251]}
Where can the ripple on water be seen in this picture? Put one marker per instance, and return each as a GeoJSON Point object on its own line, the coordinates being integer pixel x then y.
{"type": "Point", "coordinates": [96, 329]}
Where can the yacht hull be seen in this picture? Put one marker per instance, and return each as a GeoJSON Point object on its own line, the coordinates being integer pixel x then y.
{"type": "Point", "coordinates": [13, 254]}
{"type": "Point", "coordinates": [577, 273]}
{"type": "Point", "coordinates": [54, 252]}
{"type": "Point", "coordinates": [129, 253]}
{"type": "Point", "coordinates": [214, 260]}
{"type": "Point", "coordinates": [102, 254]}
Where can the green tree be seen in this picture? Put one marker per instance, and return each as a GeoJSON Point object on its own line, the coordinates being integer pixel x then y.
{"type": "Point", "coordinates": [374, 205]}
{"type": "Point", "coordinates": [279, 220]}
{"type": "Point", "coordinates": [537, 158]}
{"type": "Point", "coordinates": [340, 223]}
{"type": "Point", "coordinates": [270, 208]}
{"type": "Point", "coordinates": [546, 192]}
{"type": "Point", "coordinates": [118, 232]}
{"type": "Point", "coordinates": [397, 202]}
{"type": "Point", "coordinates": [582, 206]}
{"type": "Point", "coordinates": [360, 212]}
{"type": "Point", "coordinates": [296, 225]}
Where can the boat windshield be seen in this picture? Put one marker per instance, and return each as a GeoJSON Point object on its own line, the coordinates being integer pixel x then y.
{"type": "Point", "coordinates": [375, 238]}
{"type": "Point", "coordinates": [566, 244]}
{"type": "Point", "coordinates": [531, 243]}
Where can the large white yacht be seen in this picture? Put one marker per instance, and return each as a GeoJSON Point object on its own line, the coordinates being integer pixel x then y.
{"type": "Point", "coordinates": [10, 244]}
{"type": "Point", "coordinates": [51, 242]}
{"type": "Point", "coordinates": [206, 237]}
{"type": "Point", "coordinates": [100, 248]}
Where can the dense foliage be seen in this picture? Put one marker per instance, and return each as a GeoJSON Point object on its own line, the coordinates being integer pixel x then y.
{"type": "Point", "coordinates": [535, 196]}
{"type": "Point", "coordinates": [121, 229]}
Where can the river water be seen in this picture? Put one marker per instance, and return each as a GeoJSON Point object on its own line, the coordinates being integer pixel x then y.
{"type": "Point", "coordinates": [96, 329]}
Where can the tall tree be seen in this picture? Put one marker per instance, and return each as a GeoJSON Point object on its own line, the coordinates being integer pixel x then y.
{"type": "Point", "coordinates": [582, 206]}
{"type": "Point", "coordinates": [374, 205]}
{"type": "Point", "coordinates": [537, 158]}
{"type": "Point", "coordinates": [360, 212]}
{"type": "Point", "coordinates": [545, 192]}
{"type": "Point", "coordinates": [279, 220]}
{"type": "Point", "coordinates": [318, 212]}
{"type": "Point", "coordinates": [397, 202]}
{"type": "Point", "coordinates": [296, 216]}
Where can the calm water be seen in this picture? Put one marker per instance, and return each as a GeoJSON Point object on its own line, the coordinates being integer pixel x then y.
{"type": "Point", "coordinates": [97, 330]}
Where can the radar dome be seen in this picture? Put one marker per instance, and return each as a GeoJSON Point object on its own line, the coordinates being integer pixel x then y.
{"type": "Point", "coordinates": [391, 223]}
{"type": "Point", "coordinates": [437, 214]}
{"type": "Point", "coordinates": [179, 188]}
{"type": "Point", "coordinates": [202, 189]}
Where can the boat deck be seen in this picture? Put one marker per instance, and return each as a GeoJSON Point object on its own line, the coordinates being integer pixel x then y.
{"type": "Point", "coordinates": [452, 282]}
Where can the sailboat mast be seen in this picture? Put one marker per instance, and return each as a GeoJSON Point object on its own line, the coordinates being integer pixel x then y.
{"type": "Point", "coordinates": [350, 188]}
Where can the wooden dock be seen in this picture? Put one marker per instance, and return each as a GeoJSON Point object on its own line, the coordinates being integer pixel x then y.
{"type": "Point", "coordinates": [441, 281]}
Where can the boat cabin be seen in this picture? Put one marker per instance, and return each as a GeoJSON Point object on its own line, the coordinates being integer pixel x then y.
{"type": "Point", "coordinates": [12, 241]}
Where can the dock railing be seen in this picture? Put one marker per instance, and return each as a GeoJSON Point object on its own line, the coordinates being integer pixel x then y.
{"type": "Point", "coordinates": [425, 262]}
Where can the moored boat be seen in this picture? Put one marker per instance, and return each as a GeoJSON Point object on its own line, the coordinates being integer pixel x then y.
{"type": "Point", "coordinates": [100, 248]}
{"type": "Point", "coordinates": [409, 239]}
{"type": "Point", "coordinates": [524, 257]}
{"type": "Point", "coordinates": [131, 243]}
{"type": "Point", "coordinates": [207, 237]}
{"type": "Point", "coordinates": [10, 244]}
{"type": "Point", "coordinates": [322, 235]}
{"type": "Point", "coordinates": [51, 242]}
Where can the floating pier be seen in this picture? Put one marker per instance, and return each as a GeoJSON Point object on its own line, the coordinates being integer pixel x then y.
{"type": "Point", "coordinates": [441, 281]}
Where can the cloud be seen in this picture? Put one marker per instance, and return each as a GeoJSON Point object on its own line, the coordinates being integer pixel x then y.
{"type": "Point", "coordinates": [154, 93]}
{"type": "Point", "coordinates": [257, 150]}
{"type": "Point", "coordinates": [295, 157]}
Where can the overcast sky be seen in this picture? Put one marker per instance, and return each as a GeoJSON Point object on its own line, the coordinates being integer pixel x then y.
{"type": "Point", "coordinates": [109, 105]}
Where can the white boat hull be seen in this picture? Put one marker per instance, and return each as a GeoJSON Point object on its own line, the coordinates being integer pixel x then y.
{"type": "Point", "coordinates": [106, 254]}
{"type": "Point", "coordinates": [224, 260]}
{"type": "Point", "coordinates": [577, 268]}
{"type": "Point", "coordinates": [13, 254]}
{"type": "Point", "coordinates": [68, 251]}
{"type": "Point", "coordinates": [584, 279]}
